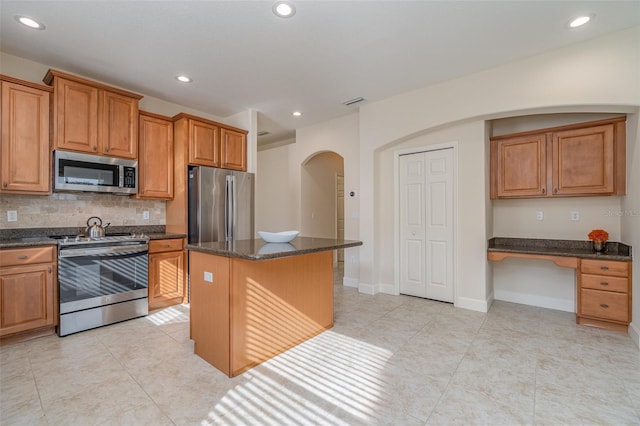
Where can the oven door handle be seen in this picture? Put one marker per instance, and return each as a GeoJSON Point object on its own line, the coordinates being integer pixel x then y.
{"type": "Point", "coordinates": [104, 251]}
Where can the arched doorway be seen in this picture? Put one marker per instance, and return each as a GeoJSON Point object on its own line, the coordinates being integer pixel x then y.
{"type": "Point", "coordinates": [322, 199]}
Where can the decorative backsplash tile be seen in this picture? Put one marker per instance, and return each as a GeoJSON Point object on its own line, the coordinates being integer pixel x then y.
{"type": "Point", "coordinates": [73, 209]}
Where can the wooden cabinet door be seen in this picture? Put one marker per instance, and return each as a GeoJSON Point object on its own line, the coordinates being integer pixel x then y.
{"type": "Point", "coordinates": [233, 149]}
{"type": "Point", "coordinates": [25, 139]}
{"type": "Point", "coordinates": [76, 116]}
{"type": "Point", "coordinates": [155, 158]}
{"type": "Point", "coordinates": [166, 278]}
{"type": "Point", "coordinates": [583, 161]}
{"type": "Point", "coordinates": [521, 166]}
{"type": "Point", "coordinates": [119, 125]}
{"type": "Point", "coordinates": [26, 298]}
{"type": "Point", "coordinates": [204, 144]}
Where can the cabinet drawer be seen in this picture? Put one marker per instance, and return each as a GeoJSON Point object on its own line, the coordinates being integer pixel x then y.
{"type": "Point", "coordinates": [605, 267]}
{"type": "Point", "coordinates": [26, 256]}
{"type": "Point", "coordinates": [605, 305]}
{"type": "Point", "coordinates": [157, 246]}
{"type": "Point", "coordinates": [605, 283]}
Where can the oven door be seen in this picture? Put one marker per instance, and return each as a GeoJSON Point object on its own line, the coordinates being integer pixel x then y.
{"type": "Point", "coordinates": [93, 277]}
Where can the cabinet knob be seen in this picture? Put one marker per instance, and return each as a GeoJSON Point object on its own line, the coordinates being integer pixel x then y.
{"type": "Point", "coordinates": [544, 190]}
{"type": "Point", "coordinates": [604, 305]}
{"type": "Point", "coordinates": [5, 184]}
{"type": "Point", "coordinates": [604, 283]}
{"type": "Point", "coordinates": [604, 268]}
{"type": "Point", "coordinates": [167, 245]}
{"type": "Point", "coordinates": [49, 269]}
{"type": "Point", "coordinates": [106, 149]}
{"type": "Point", "coordinates": [555, 190]}
{"type": "Point", "coordinates": [95, 148]}
{"type": "Point", "coordinates": [23, 257]}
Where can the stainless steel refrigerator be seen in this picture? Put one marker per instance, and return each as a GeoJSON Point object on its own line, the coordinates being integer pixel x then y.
{"type": "Point", "coordinates": [221, 204]}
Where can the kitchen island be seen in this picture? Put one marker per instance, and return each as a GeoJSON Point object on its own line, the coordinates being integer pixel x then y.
{"type": "Point", "coordinates": [251, 300]}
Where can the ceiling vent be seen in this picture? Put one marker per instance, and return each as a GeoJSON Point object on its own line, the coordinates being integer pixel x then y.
{"type": "Point", "coordinates": [353, 101]}
{"type": "Point", "coordinates": [263, 133]}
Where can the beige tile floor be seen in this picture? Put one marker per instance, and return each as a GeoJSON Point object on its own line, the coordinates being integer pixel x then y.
{"type": "Point", "coordinates": [389, 360]}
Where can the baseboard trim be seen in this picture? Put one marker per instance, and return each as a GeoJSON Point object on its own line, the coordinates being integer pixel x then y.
{"type": "Point", "coordinates": [472, 304]}
{"type": "Point", "coordinates": [368, 288]}
{"type": "Point", "coordinates": [535, 300]}
{"type": "Point", "coordinates": [634, 333]}
{"type": "Point", "coordinates": [350, 282]}
{"type": "Point", "coordinates": [388, 289]}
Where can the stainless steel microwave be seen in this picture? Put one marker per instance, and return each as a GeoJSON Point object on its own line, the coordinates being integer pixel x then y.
{"type": "Point", "coordinates": [94, 173]}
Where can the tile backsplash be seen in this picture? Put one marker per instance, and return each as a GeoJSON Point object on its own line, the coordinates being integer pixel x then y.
{"type": "Point", "coordinates": [73, 209]}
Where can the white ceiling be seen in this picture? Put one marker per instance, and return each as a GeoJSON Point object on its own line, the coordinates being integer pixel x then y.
{"type": "Point", "coordinates": [240, 55]}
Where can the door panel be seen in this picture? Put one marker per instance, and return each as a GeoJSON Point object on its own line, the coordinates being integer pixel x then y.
{"type": "Point", "coordinates": [426, 224]}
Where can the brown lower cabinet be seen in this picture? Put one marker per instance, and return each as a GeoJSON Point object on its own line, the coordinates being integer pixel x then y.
{"type": "Point", "coordinates": [604, 294]}
{"type": "Point", "coordinates": [28, 292]}
{"type": "Point", "coordinates": [167, 273]}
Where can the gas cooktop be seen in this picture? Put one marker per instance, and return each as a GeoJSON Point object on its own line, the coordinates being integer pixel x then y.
{"type": "Point", "coordinates": [65, 240]}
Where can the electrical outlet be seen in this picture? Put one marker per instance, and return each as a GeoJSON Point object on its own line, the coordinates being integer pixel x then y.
{"type": "Point", "coordinates": [145, 215]}
{"type": "Point", "coordinates": [12, 216]}
{"type": "Point", "coordinates": [539, 215]}
{"type": "Point", "coordinates": [575, 215]}
{"type": "Point", "coordinates": [208, 277]}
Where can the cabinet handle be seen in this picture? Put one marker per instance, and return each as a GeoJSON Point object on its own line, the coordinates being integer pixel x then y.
{"type": "Point", "coordinates": [604, 268]}
{"type": "Point", "coordinates": [49, 269]}
{"type": "Point", "coordinates": [106, 149]}
{"type": "Point", "coordinates": [555, 190]}
{"type": "Point", "coordinates": [23, 257]}
{"type": "Point", "coordinates": [604, 283]}
{"type": "Point", "coordinates": [167, 245]}
{"type": "Point", "coordinates": [544, 190]}
{"type": "Point", "coordinates": [95, 148]}
{"type": "Point", "coordinates": [5, 184]}
{"type": "Point", "coordinates": [604, 305]}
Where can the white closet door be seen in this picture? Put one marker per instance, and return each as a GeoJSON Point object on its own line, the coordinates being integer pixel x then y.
{"type": "Point", "coordinates": [426, 224]}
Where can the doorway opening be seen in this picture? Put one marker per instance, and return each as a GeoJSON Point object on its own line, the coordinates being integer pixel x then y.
{"type": "Point", "coordinates": [322, 200]}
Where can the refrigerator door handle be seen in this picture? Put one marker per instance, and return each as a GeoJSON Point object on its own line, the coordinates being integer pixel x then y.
{"type": "Point", "coordinates": [229, 208]}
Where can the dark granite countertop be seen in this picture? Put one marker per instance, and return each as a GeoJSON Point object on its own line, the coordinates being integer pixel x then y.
{"type": "Point", "coordinates": [34, 237]}
{"type": "Point", "coordinates": [258, 249]}
{"type": "Point", "coordinates": [569, 248]}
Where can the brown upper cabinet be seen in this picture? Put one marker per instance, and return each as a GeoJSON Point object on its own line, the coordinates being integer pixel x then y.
{"type": "Point", "coordinates": [24, 147]}
{"type": "Point", "coordinates": [233, 149]}
{"type": "Point", "coordinates": [93, 118]}
{"type": "Point", "coordinates": [212, 144]}
{"type": "Point", "coordinates": [584, 159]}
{"type": "Point", "coordinates": [155, 156]}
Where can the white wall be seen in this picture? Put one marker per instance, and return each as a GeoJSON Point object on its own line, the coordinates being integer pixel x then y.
{"type": "Point", "coordinates": [599, 76]}
{"type": "Point", "coordinates": [630, 218]}
{"type": "Point", "coordinates": [278, 203]}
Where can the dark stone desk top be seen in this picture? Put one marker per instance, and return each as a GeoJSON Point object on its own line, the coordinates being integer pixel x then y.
{"type": "Point", "coordinates": [258, 249]}
{"type": "Point", "coordinates": [569, 248]}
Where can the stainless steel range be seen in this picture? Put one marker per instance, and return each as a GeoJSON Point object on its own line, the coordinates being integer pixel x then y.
{"type": "Point", "coordinates": [101, 280]}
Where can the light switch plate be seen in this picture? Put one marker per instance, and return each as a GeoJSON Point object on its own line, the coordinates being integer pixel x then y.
{"type": "Point", "coordinates": [145, 215]}
{"type": "Point", "coordinates": [12, 216]}
{"type": "Point", "coordinates": [208, 277]}
{"type": "Point", "coordinates": [575, 215]}
{"type": "Point", "coordinates": [539, 215]}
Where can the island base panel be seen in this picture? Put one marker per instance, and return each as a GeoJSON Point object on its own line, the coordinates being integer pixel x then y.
{"type": "Point", "coordinates": [210, 309]}
{"type": "Point", "coordinates": [277, 304]}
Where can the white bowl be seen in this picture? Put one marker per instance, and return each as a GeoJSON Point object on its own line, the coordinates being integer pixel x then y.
{"type": "Point", "coordinates": [278, 237]}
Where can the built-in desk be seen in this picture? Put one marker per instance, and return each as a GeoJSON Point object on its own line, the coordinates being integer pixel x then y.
{"type": "Point", "coordinates": [603, 289]}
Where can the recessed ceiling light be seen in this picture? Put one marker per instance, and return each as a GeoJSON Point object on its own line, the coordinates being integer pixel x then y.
{"type": "Point", "coordinates": [579, 21]}
{"type": "Point", "coordinates": [284, 9]}
{"type": "Point", "coordinates": [29, 22]}
{"type": "Point", "coordinates": [296, 113]}
{"type": "Point", "coordinates": [183, 79]}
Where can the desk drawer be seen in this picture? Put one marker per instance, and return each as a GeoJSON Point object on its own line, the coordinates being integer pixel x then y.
{"type": "Point", "coordinates": [605, 283]}
{"type": "Point", "coordinates": [604, 267]}
{"type": "Point", "coordinates": [26, 256]}
{"type": "Point", "coordinates": [605, 305]}
{"type": "Point", "coordinates": [157, 246]}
